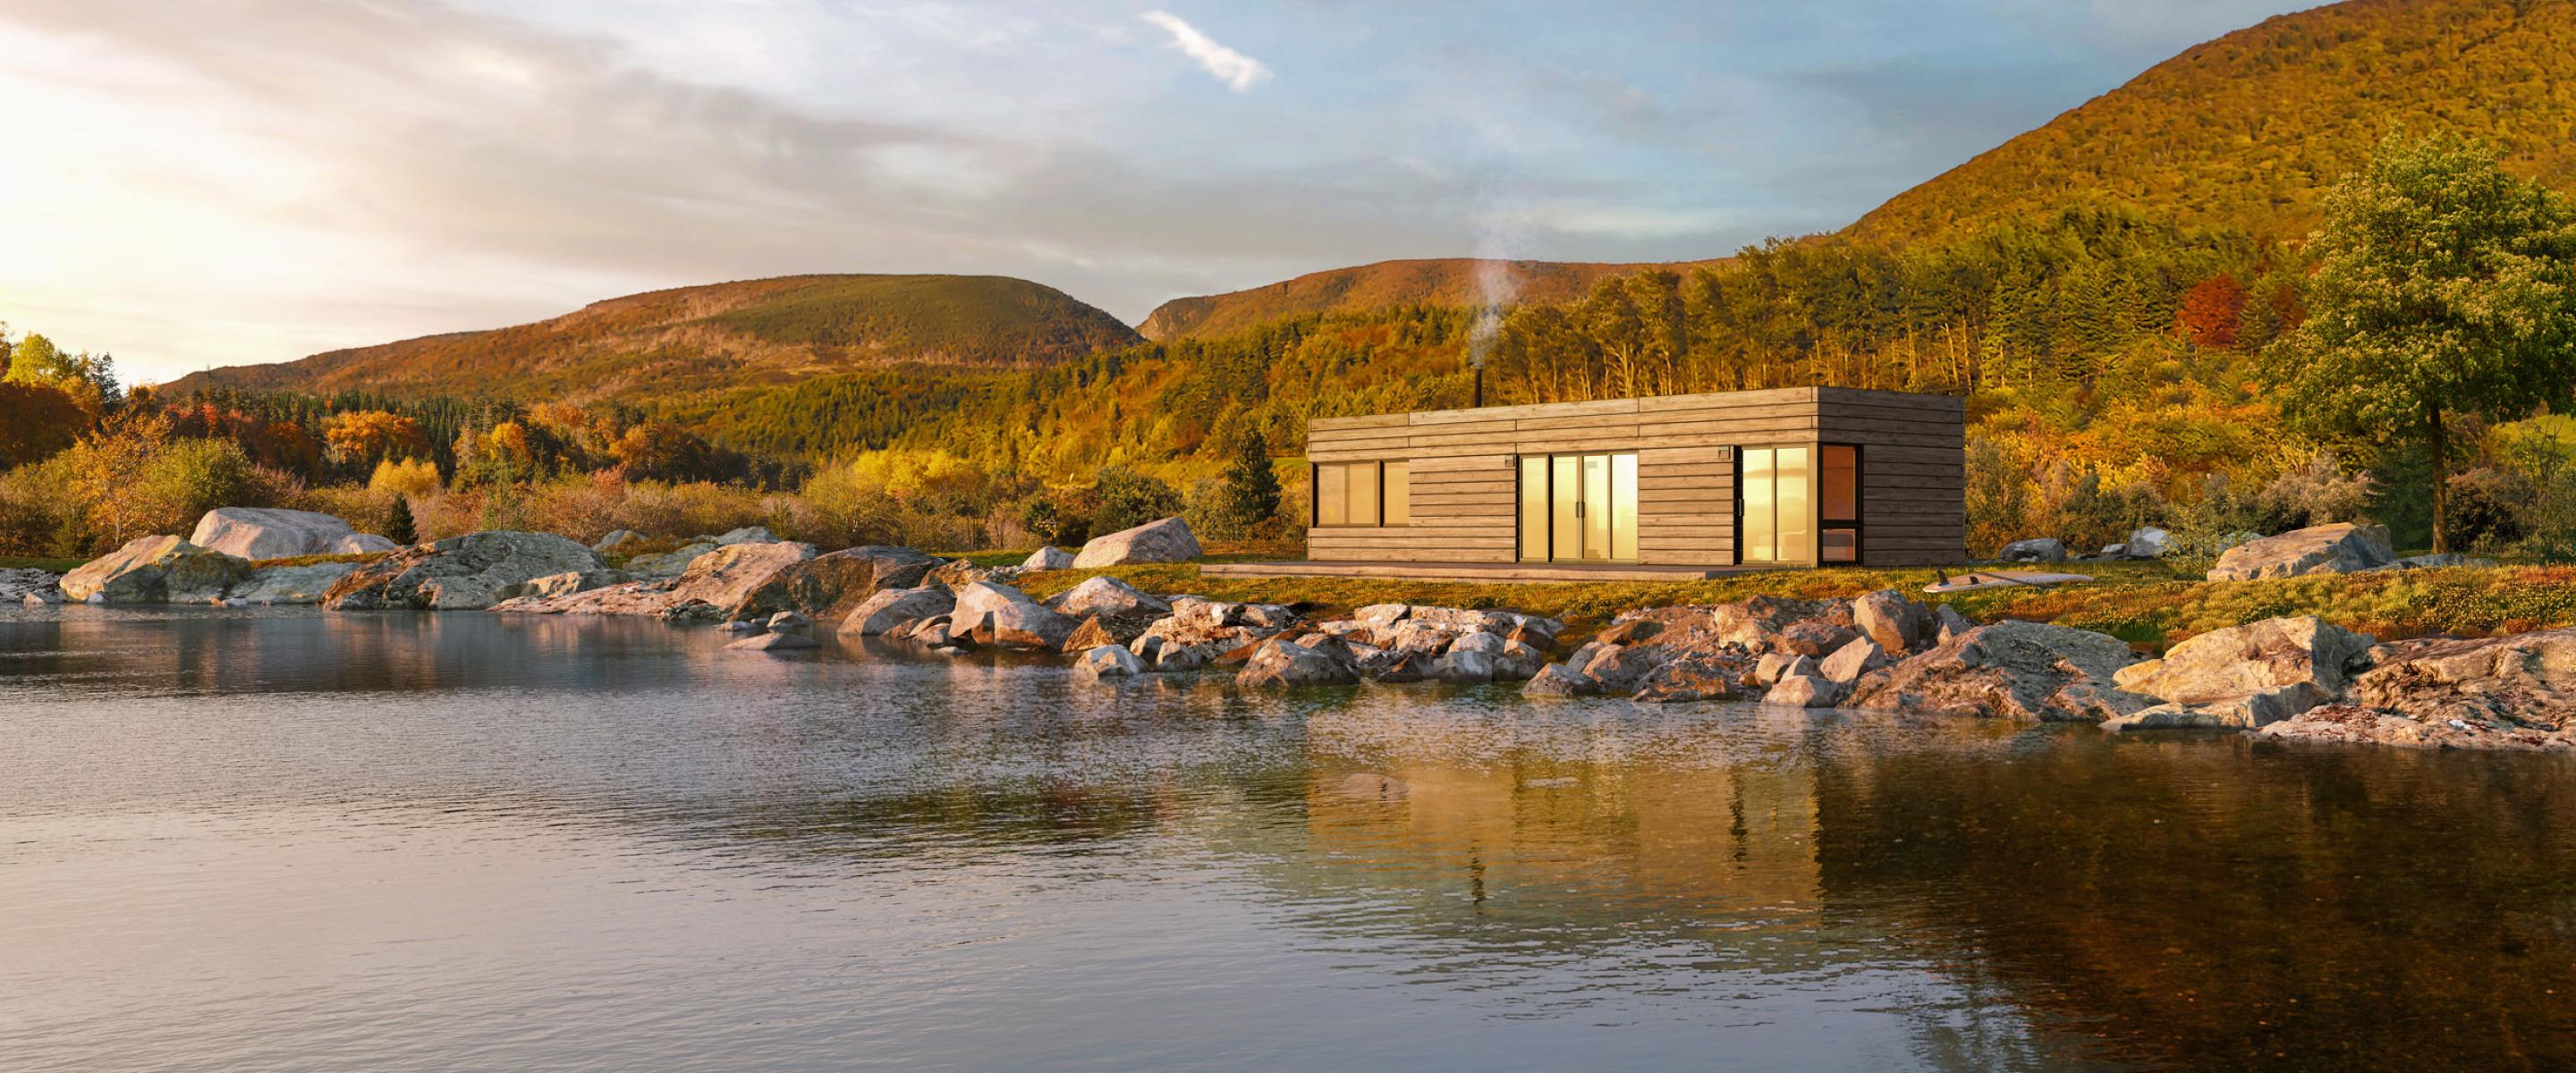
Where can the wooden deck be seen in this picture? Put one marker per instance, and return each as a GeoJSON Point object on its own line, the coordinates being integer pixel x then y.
{"type": "Point", "coordinates": [1484, 572]}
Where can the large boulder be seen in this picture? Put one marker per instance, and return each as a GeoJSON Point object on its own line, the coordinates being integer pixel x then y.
{"type": "Point", "coordinates": [2147, 543]}
{"type": "Point", "coordinates": [1048, 558]}
{"type": "Point", "coordinates": [1108, 661]}
{"type": "Point", "coordinates": [774, 642]}
{"type": "Point", "coordinates": [291, 584]}
{"type": "Point", "coordinates": [892, 607]}
{"type": "Point", "coordinates": [980, 598]}
{"type": "Point", "coordinates": [826, 588]}
{"type": "Point", "coordinates": [2010, 669]}
{"type": "Point", "coordinates": [1280, 662]}
{"type": "Point", "coordinates": [2037, 550]}
{"type": "Point", "coordinates": [2251, 675]}
{"type": "Point", "coordinates": [1803, 691]}
{"type": "Point", "coordinates": [1165, 541]}
{"type": "Point", "coordinates": [669, 564]}
{"type": "Point", "coordinates": [156, 569]}
{"type": "Point", "coordinates": [1691, 678]}
{"type": "Point", "coordinates": [1896, 623]}
{"type": "Point", "coordinates": [362, 544]}
{"type": "Point", "coordinates": [722, 579]}
{"type": "Point", "coordinates": [1108, 596]}
{"type": "Point", "coordinates": [269, 532]}
{"type": "Point", "coordinates": [2341, 548]}
{"type": "Point", "coordinates": [1022, 625]}
{"type": "Point", "coordinates": [1851, 661]}
{"type": "Point", "coordinates": [2511, 692]}
{"type": "Point", "coordinates": [749, 534]}
{"type": "Point", "coordinates": [467, 572]}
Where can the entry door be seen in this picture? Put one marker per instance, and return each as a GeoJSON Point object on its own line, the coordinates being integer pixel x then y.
{"type": "Point", "coordinates": [1578, 508]}
{"type": "Point", "coordinates": [1773, 495]}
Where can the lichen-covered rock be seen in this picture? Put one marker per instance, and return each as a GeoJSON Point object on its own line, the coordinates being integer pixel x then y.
{"type": "Point", "coordinates": [1108, 661]}
{"type": "Point", "coordinates": [269, 532]}
{"type": "Point", "coordinates": [155, 569]}
{"type": "Point", "coordinates": [881, 612]}
{"type": "Point", "coordinates": [1166, 541]}
{"type": "Point", "coordinates": [669, 564]}
{"type": "Point", "coordinates": [1696, 678]}
{"type": "Point", "coordinates": [826, 588]}
{"type": "Point", "coordinates": [1803, 691]}
{"type": "Point", "coordinates": [18, 584]}
{"type": "Point", "coordinates": [1048, 558]}
{"type": "Point", "coordinates": [1281, 663]}
{"type": "Point", "coordinates": [2340, 548]}
{"type": "Point", "coordinates": [2037, 550]}
{"type": "Point", "coordinates": [2519, 687]}
{"type": "Point", "coordinates": [1108, 596]}
{"type": "Point", "coordinates": [724, 577]}
{"type": "Point", "coordinates": [1023, 625]}
{"type": "Point", "coordinates": [2254, 674]}
{"type": "Point", "coordinates": [1851, 661]}
{"type": "Point", "coordinates": [1896, 623]}
{"type": "Point", "coordinates": [467, 572]}
{"type": "Point", "coordinates": [290, 584]}
{"type": "Point", "coordinates": [2012, 670]}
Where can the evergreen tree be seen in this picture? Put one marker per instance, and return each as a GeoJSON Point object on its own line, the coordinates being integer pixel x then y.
{"type": "Point", "coordinates": [1251, 486]}
{"type": "Point", "coordinates": [398, 523]}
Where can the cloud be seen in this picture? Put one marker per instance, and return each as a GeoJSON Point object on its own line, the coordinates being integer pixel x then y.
{"type": "Point", "coordinates": [1230, 67]}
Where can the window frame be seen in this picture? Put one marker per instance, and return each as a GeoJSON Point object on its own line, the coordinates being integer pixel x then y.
{"type": "Point", "coordinates": [1315, 494]}
{"type": "Point", "coordinates": [1859, 506]}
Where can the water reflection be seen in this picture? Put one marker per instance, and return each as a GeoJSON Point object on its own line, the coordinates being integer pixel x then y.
{"type": "Point", "coordinates": [233, 837]}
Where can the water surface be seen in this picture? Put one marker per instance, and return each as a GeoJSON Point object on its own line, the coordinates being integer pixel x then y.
{"type": "Point", "coordinates": [279, 839]}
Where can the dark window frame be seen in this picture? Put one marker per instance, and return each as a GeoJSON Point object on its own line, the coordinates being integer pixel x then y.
{"type": "Point", "coordinates": [1860, 507]}
{"type": "Point", "coordinates": [1315, 494]}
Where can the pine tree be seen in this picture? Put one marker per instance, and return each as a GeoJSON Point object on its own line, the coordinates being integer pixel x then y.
{"type": "Point", "coordinates": [1251, 486]}
{"type": "Point", "coordinates": [398, 523]}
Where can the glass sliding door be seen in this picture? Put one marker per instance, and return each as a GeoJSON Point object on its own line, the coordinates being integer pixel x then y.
{"type": "Point", "coordinates": [1578, 508]}
{"type": "Point", "coordinates": [1775, 497]}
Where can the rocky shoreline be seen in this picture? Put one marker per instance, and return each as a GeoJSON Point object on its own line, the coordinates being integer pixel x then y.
{"type": "Point", "coordinates": [2285, 679]}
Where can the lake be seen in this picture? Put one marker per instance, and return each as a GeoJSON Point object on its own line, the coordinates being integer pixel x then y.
{"type": "Point", "coordinates": [279, 839]}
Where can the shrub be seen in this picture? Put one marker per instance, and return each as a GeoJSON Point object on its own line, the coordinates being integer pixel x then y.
{"type": "Point", "coordinates": [1129, 499]}
{"type": "Point", "coordinates": [413, 477]}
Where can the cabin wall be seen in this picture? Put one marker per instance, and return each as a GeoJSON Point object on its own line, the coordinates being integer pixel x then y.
{"type": "Point", "coordinates": [1465, 476]}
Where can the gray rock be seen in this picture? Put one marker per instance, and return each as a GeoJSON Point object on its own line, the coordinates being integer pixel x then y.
{"type": "Point", "coordinates": [826, 588]}
{"type": "Point", "coordinates": [2340, 548]}
{"type": "Point", "coordinates": [1693, 678]}
{"type": "Point", "coordinates": [1851, 661]}
{"type": "Point", "coordinates": [291, 584]}
{"type": "Point", "coordinates": [773, 642]}
{"type": "Point", "coordinates": [1048, 558]}
{"type": "Point", "coordinates": [1558, 680]}
{"type": "Point", "coordinates": [2436, 561]}
{"type": "Point", "coordinates": [2037, 550]}
{"type": "Point", "coordinates": [155, 569]}
{"type": "Point", "coordinates": [882, 611]}
{"type": "Point", "coordinates": [980, 598]}
{"type": "Point", "coordinates": [722, 578]}
{"type": "Point", "coordinates": [1108, 661]}
{"type": "Point", "coordinates": [749, 534]}
{"type": "Point", "coordinates": [1108, 596]}
{"type": "Point", "coordinates": [2009, 669]}
{"type": "Point", "coordinates": [563, 584]}
{"type": "Point", "coordinates": [1803, 691]}
{"type": "Point", "coordinates": [2147, 543]}
{"type": "Point", "coordinates": [2255, 674]}
{"type": "Point", "coordinates": [269, 532]}
{"type": "Point", "coordinates": [787, 620]}
{"type": "Point", "coordinates": [1023, 625]}
{"type": "Point", "coordinates": [16, 584]}
{"type": "Point", "coordinates": [1896, 623]}
{"type": "Point", "coordinates": [1947, 623]}
{"type": "Point", "coordinates": [362, 544]}
{"type": "Point", "coordinates": [1461, 667]}
{"type": "Point", "coordinates": [1166, 541]}
{"type": "Point", "coordinates": [1768, 669]}
{"type": "Point", "coordinates": [1814, 637]}
{"type": "Point", "coordinates": [614, 538]}
{"type": "Point", "coordinates": [473, 571]}
{"type": "Point", "coordinates": [1284, 663]}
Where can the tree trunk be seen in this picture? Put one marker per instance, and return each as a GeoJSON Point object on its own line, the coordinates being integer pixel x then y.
{"type": "Point", "coordinates": [2438, 445]}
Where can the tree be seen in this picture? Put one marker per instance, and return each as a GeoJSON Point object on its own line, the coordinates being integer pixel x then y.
{"type": "Point", "coordinates": [398, 524]}
{"type": "Point", "coordinates": [2212, 312]}
{"type": "Point", "coordinates": [365, 436]}
{"type": "Point", "coordinates": [1251, 485]}
{"type": "Point", "coordinates": [37, 422]}
{"type": "Point", "coordinates": [36, 360]}
{"type": "Point", "coordinates": [2445, 291]}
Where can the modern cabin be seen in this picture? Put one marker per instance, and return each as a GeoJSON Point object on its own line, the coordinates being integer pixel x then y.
{"type": "Point", "coordinates": [1788, 477]}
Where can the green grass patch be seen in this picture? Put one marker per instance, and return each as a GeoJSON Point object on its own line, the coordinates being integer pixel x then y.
{"type": "Point", "coordinates": [58, 566]}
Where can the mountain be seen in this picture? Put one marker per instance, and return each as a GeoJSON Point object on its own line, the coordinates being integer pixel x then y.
{"type": "Point", "coordinates": [2246, 131]}
{"type": "Point", "coordinates": [1447, 281]}
{"type": "Point", "coordinates": [722, 335]}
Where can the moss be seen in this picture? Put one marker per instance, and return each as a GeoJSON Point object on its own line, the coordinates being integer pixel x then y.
{"type": "Point", "coordinates": [58, 566]}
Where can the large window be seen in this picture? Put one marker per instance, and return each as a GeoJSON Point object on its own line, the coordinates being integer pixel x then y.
{"type": "Point", "coordinates": [1578, 507]}
{"type": "Point", "coordinates": [1363, 494]}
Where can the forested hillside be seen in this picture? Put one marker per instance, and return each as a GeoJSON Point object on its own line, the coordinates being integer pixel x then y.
{"type": "Point", "coordinates": [1449, 281]}
{"type": "Point", "coordinates": [2246, 131]}
{"type": "Point", "coordinates": [720, 336]}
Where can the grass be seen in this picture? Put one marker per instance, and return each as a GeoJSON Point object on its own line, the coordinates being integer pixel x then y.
{"type": "Point", "coordinates": [58, 566]}
{"type": "Point", "coordinates": [2151, 605]}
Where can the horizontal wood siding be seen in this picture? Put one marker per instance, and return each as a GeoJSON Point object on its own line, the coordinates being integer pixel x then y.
{"type": "Point", "coordinates": [1465, 481]}
{"type": "Point", "coordinates": [1913, 496]}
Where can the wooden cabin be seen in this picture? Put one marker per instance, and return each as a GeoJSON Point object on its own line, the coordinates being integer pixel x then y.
{"type": "Point", "coordinates": [1785, 477]}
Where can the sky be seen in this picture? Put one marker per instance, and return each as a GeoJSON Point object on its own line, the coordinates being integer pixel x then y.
{"type": "Point", "coordinates": [194, 183]}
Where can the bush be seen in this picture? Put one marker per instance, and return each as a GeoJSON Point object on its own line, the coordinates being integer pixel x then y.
{"type": "Point", "coordinates": [413, 477]}
{"type": "Point", "coordinates": [1129, 499]}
